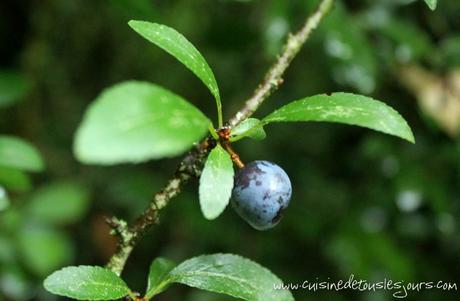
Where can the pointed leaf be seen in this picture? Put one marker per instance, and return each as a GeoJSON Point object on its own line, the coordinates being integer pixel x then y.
{"type": "Point", "coordinates": [432, 4]}
{"type": "Point", "coordinates": [216, 183]}
{"type": "Point", "coordinates": [243, 130]}
{"type": "Point", "coordinates": [159, 270]}
{"type": "Point", "coordinates": [232, 275]}
{"type": "Point", "coordinates": [344, 108]}
{"type": "Point", "coordinates": [87, 283]}
{"type": "Point", "coordinates": [19, 154]}
{"type": "Point", "coordinates": [137, 121]}
{"type": "Point", "coordinates": [178, 46]}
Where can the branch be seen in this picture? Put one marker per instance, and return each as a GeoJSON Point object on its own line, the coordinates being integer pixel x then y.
{"type": "Point", "coordinates": [190, 166]}
{"type": "Point", "coordinates": [192, 163]}
{"type": "Point", "coordinates": [274, 77]}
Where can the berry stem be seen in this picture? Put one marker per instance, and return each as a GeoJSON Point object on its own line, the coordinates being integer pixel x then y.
{"type": "Point", "coordinates": [224, 139]}
{"type": "Point", "coordinates": [233, 155]}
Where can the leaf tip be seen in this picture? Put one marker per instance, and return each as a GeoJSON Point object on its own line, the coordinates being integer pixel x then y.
{"type": "Point", "coordinates": [135, 24]}
{"type": "Point", "coordinates": [407, 135]}
{"type": "Point", "coordinates": [210, 212]}
{"type": "Point", "coordinates": [432, 4]}
{"type": "Point", "coordinates": [210, 215]}
{"type": "Point", "coordinates": [410, 137]}
{"type": "Point", "coordinates": [132, 23]}
{"type": "Point", "coordinates": [48, 283]}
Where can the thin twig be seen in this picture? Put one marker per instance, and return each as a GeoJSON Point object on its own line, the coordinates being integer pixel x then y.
{"type": "Point", "coordinates": [192, 164]}
{"type": "Point", "coordinates": [274, 77]}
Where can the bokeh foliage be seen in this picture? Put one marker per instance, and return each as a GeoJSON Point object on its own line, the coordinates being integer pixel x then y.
{"type": "Point", "coordinates": [363, 203]}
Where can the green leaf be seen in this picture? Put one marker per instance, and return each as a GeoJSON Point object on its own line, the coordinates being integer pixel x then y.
{"type": "Point", "coordinates": [159, 270]}
{"type": "Point", "coordinates": [44, 249]}
{"type": "Point", "coordinates": [344, 108]}
{"type": "Point", "coordinates": [61, 202]}
{"type": "Point", "coordinates": [243, 129]}
{"type": "Point", "coordinates": [216, 183]}
{"type": "Point", "coordinates": [179, 47]}
{"type": "Point", "coordinates": [4, 200]}
{"type": "Point", "coordinates": [13, 86]}
{"type": "Point", "coordinates": [14, 180]}
{"type": "Point", "coordinates": [232, 275]}
{"type": "Point", "coordinates": [432, 4]}
{"type": "Point", "coordinates": [19, 154]}
{"type": "Point", "coordinates": [87, 283]}
{"type": "Point", "coordinates": [137, 121]}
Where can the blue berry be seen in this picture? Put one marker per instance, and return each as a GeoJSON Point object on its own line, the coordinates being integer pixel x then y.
{"type": "Point", "coordinates": [261, 193]}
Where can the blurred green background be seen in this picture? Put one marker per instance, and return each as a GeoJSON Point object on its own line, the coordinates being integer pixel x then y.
{"type": "Point", "coordinates": [363, 203]}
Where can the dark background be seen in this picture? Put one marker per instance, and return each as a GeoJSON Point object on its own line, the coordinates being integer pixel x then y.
{"type": "Point", "coordinates": [363, 203]}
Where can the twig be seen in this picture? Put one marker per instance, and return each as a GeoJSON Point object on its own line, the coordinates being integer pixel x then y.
{"type": "Point", "coordinates": [192, 164]}
{"type": "Point", "coordinates": [274, 77]}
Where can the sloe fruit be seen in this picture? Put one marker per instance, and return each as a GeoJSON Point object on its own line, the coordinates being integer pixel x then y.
{"type": "Point", "coordinates": [261, 192]}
